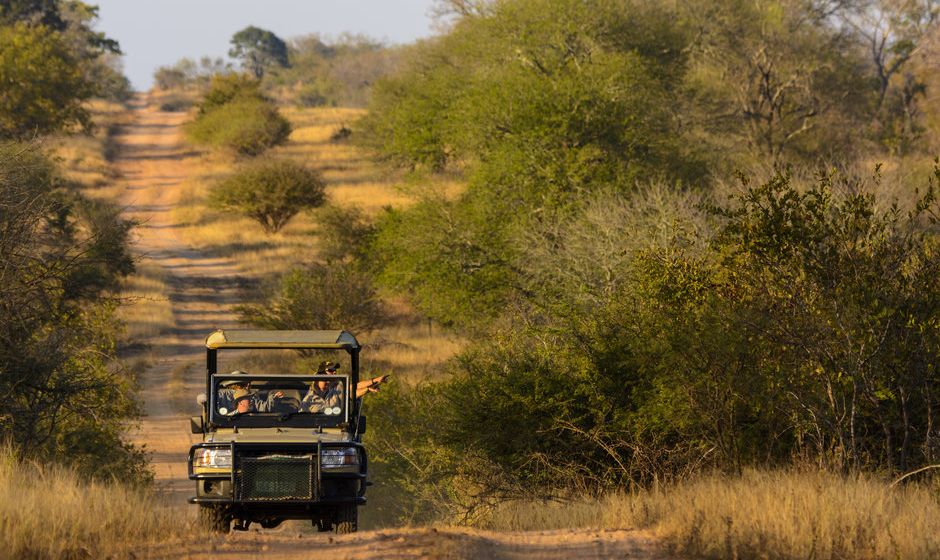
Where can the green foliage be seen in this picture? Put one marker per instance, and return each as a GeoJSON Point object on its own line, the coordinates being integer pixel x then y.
{"type": "Point", "coordinates": [345, 234]}
{"type": "Point", "coordinates": [319, 297]}
{"type": "Point", "coordinates": [539, 104]}
{"type": "Point", "coordinates": [453, 258]}
{"type": "Point", "coordinates": [790, 85]}
{"type": "Point", "coordinates": [36, 12]}
{"type": "Point", "coordinates": [332, 72]}
{"type": "Point", "coordinates": [228, 88]}
{"type": "Point", "coordinates": [234, 115]}
{"type": "Point", "coordinates": [805, 327]}
{"type": "Point", "coordinates": [64, 397]}
{"type": "Point", "coordinates": [258, 50]}
{"type": "Point", "coordinates": [630, 319]}
{"type": "Point", "coordinates": [245, 127]}
{"type": "Point", "coordinates": [270, 191]}
{"type": "Point", "coordinates": [50, 85]}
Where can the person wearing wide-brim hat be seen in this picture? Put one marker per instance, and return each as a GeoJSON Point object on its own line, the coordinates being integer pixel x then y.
{"type": "Point", "coordinates": [243, 400]}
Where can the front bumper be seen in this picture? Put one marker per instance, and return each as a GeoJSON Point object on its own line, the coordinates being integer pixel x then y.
{"type": "Point", "coordinates": [327, 487]}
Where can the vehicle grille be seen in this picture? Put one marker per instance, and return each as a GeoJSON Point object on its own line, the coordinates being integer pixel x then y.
{"type": "Point", "coordinates": [276, 477]}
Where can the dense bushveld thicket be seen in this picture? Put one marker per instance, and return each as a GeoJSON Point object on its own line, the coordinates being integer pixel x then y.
{"type": "Point", "coordinates": [63, 396]}
{"type": "Point", "coordinates": [675, 250]}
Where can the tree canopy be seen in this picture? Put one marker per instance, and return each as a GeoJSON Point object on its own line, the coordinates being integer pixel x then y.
{"type": "Point", "coordinates": [258, 50]}
{"type": "Point", "coordinates": [50, 85]}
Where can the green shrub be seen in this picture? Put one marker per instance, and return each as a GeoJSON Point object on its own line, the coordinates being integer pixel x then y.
{"type": "Point", "coordinates": [228, 88]}
{"type": "Point", "coordinates": [248, 127]}
{"type": "Point", "coordinates": [320, 297]}
{"type": "Point", "coordinates": [269, 191]}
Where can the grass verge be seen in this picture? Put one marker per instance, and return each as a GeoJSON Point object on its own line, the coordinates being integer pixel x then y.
{"type": "Point", "coordinates": [777, 514]}
{"type": "Point", "coordinates": [49, 512]}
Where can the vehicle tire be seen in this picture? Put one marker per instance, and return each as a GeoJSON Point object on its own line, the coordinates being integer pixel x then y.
{"type": "Point", "coordinates": [214, 519]}
{"type": "Point", "coordinates": [346, 520]}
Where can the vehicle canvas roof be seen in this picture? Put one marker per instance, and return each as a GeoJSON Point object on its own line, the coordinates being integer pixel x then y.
{"type": "Point", "coordinates": [281, 339]}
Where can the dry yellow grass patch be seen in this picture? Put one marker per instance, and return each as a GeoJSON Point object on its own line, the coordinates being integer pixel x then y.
{"type": "Point", "coordinates": [779, 514]}
{"type": "Point", "coordinates": [147, 311]}
{"type": "Point", "coordinates": [85, 158]}
{"type": "Point", "coordinates": [49, 512]}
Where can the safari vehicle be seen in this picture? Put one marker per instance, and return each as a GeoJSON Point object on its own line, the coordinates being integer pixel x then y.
{"type": "Point", "coordinates": [282, 455]}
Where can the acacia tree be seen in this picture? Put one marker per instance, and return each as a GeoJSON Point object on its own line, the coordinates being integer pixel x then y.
{"type": "Point", "coordinates": [892, 32]}
{"type": "Point", "coordinates": [776, 75]}
{"type": "Point", "coordinates": [271, 192]}
{"type": "Point", "coordinates": [258, 50]}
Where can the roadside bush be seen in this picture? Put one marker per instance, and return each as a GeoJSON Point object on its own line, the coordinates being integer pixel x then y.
{"type": "Point", "coordinates": [333, 296]}
{"type": "Point", "coordinates": [65, 397]}
{"type": "Point", "coordinates": [246, 127]}
{"type": "Point", "coordinates": [234, 115]}
{"type": "Point", "coordinates": [270, 192]}
{"type": "Point", "coordinates": [228, 88]}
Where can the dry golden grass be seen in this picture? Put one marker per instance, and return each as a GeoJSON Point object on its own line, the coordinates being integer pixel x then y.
{"type": "Point", "coordinates": [779, 514]}
{"type": "Point", "coordinates": [86, 158]}
{"type": "Point", "coordinates": [147, 311]}
{"type": "Point", "coordinates": [48, 512]}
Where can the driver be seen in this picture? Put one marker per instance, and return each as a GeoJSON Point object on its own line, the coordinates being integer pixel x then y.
{"type": "Point", "coordinates": [244, 401]}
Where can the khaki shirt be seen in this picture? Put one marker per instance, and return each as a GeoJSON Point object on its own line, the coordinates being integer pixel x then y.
{"type": "Point", "coordinates": [316, 400]}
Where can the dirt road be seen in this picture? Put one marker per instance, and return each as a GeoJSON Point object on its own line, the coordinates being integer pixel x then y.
{"type": "Point", "coordinates": [201, 291]}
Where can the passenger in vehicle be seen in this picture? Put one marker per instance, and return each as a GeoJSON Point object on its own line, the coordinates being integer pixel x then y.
{"type": "Point", "coordinates": [323, 394]}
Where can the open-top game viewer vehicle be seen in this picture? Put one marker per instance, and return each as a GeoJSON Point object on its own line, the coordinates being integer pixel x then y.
{"type": "Point", "coordinates": [278, 445]}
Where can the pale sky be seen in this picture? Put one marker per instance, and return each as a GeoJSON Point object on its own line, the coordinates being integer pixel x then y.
{"type": "Point", "coordinates": [156, 33]}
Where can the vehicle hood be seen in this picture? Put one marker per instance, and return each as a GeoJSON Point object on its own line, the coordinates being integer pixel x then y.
{"type": "Point", "coordinates": [276, 435]}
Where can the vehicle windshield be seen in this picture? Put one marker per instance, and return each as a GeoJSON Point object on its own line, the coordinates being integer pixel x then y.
{"type": "Point", "coordinates": [238, 395]}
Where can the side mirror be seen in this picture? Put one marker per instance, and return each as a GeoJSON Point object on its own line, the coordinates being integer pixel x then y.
{"type": "Point", "coordinates": [196, 425]}
{"type": "Point", "coordinates": [201, 399]}
{"type": "Point", "coordinates": [362, 424]}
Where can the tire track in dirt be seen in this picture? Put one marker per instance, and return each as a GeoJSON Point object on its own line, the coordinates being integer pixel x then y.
{"type": "Point", "coordinates": [152, 166]}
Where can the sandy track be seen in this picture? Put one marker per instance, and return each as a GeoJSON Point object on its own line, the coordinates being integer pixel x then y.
{"type": "Point", "coordinates": [201, 289]}
{"type": "Point", "coordinates": [427, 543]}
{"type": "Point", "coordinates": [153, 167]}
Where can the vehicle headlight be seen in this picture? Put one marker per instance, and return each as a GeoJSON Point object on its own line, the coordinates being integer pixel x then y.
{"type": "Point", "coordinates": [213, 458]}
{"type": "Point", "coordinates": [335, 457]}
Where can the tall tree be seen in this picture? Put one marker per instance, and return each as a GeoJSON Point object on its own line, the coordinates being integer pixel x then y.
{"type": "Point", "coordinates": [893, 32]}
{"type": "Point", "coordinates": [258, 50]}
{"type": "Point", "coordinates": [776, 75]}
